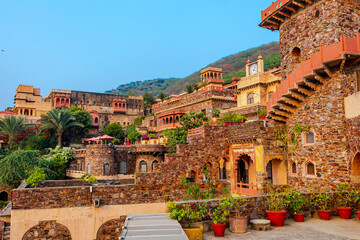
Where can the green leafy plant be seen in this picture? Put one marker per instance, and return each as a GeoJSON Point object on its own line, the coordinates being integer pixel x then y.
{"type": "Point", "coordinates": [231, 117]}
{"type": "Point", "coordinates": [37, 176]}
{"type": "Point", "coordinates": [216, 112]}
{"type": "Point", "coordinates": [183, 214]}
{"type": "Point", "coordinates": [132, 133]}
{"type": "Point", "coordinates": [189, 88]}
{"type": "Point", "coordinates": [90, 179]}
{"type": "Point", "coordinates": [138, 121]}
{"type": "Point", "coordinates": [346, 196]}
{"type": "Point", "coordinates": [238, 205]}
{"type": "Point", "coordinates": [3, 203]}
{"type": "Point", "coordinates": [275, 198]}
{"type": "Point", "coordinates": [57, 159]}
{"type": "Point", "coordinates": [193, 190]}
{"type": "Point", "coordinates": [11, 127]}
{"type": "Point", "coordinates": [262, 112]}
{"type": "Point", "coordinates": [321, 198]}
{"type": "Point", "coordinates": [296, 202]}
{"type": "Point", "coordinates": [114, 130]}
{"type": "Point", "coordinates": [219, 214]}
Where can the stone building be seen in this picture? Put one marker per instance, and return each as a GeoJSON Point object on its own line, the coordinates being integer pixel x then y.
{"type": "Point", "coordinates": [320, 51]}
{"type": "Point", "coordinates": [103, 108]}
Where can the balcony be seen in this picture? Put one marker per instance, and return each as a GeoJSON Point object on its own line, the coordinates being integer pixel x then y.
{"type": "Point", "coordinates": [167, 126]}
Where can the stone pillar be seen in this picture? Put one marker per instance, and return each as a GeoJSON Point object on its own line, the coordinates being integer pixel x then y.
{"type": "Point", "coordinates": [262, 181]}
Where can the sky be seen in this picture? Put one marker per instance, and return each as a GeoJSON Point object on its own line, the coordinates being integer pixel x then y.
{"type": "Point", "coordinates": [97, 45]}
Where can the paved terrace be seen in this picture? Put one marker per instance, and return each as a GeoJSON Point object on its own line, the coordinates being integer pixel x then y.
{"type": "Point", "coordinates": [312, 228]}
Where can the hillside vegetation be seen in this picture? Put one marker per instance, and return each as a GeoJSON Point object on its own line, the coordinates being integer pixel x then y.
{"type": "Point", "coordinates": [233, 66]}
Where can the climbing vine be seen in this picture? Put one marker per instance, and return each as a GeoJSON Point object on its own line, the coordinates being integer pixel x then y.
{"type": "Point", "coordinates": [289, 137]}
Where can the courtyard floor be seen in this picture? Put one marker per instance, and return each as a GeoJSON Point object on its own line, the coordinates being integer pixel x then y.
{"type": "Point", "coordinates": [335, 229]}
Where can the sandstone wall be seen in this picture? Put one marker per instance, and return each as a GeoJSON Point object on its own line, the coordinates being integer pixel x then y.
{"type": "Point", "coordinates": [317, 25]}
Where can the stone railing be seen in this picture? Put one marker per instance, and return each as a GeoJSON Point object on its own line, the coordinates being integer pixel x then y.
{"type": "Point", "coordinates": [196, 131]}
{"type": "Point", "coordinates": [115, 177]}
{"type": "Point", "coordinates": [74, 173]}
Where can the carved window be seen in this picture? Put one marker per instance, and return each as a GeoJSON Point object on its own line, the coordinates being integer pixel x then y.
{"type": "Point", "coordinates": [143, 166]}
{"type": "Point", "coordinates": [310, 169]}
{"type": "Point", "coordinates": [122, 167]}
{"type": "Point", "coordinates": [250, 98]}
{"type": "Point", "coordinates": [106, 168]}
{"type": "Point", "coordinates": [309, 138]}
{"type": "Point", "coordinates": [96, 120]}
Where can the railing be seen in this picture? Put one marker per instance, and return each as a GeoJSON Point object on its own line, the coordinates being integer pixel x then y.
{"type": "Point", "coordinates": [77, 174]}
{"type": "Point", "coordinates": [326, 54]}
{"type": "Point", "coordinates": [79, 152]}
{"type": "Point", "coordinates": [167, 126]}
{"type": "Point", "coordinates": [273, 7]}
{"type": "Point", "coordinates": [246, 189]}
{"type": "Point", "coordinates": [74, 173]}
{"type": "Point", "coordinates": [196, 131]}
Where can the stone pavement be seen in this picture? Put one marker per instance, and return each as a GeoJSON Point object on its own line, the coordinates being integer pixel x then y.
{"type": "Point", "coordinates": [335, 229]}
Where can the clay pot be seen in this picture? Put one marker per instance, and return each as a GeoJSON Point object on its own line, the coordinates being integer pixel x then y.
{"type": "Point", "coordinates": [262, 117]}
{"type": "Point", "coordinates": [358, 213]}
{"type": "Point", "coordinates": [238, 224]}
{"type": "Point", "coordinates": [277, 218]}
{"type": "Point", "coordinates": [219, 229]}
{"type": "Point", "coordinates": [344, 212]}
{"type": "Point", "coordinates": [299, 217]}
{"type": "Point", "coordinates": [194, 232]}
{"type": "Point", "coordinates": [324, 214]}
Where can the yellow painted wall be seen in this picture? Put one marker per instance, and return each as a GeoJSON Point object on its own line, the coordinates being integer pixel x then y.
{"type": "Point", "coordinates": [82, 222]}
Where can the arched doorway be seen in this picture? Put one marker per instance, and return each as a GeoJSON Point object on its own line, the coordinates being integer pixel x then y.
{"type": "Point", "coordinates": [355, 169]}
{"type": "Point", "coordinates": [242, 173]}
{"type": "Point", "coordinates": [4, 196]}
{"type": "Point", "coordinates": [47, 230]}
{"type": "Point", "coordinates": [276, 172]}
{"type": "Point", "coordinates": [154, 164]}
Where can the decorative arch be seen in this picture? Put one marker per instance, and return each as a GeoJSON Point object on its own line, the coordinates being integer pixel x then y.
{"type": "Point", "coordinates": [143, 166]}
{"type": "Point", "coordinates": [293, 168]}
{"type": "Point", "coordinates": [47, 230]}
{"type": "Point", "coordinates": [111, 229]}
{"type": "Point", "coordinates": [154, 164]}
{"type": "Point", "coordinates": [355, 168]}
{"type": "Point", "coordinates": [296, 54]}
{"type": "Point", "coordinates": [192, 176]}
{"type": "Point", "coordinates": [310, 169]}
{"type": "Point", "coordinates": [308, 137]}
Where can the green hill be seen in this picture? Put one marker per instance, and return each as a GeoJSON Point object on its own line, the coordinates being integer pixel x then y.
{"type": "Point", "coordinates": [233, 66]}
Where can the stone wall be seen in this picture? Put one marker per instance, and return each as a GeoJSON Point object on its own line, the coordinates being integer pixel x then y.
{"type": "Point", "coordinates": [111, 230]}
{"type": "Point", "coordinates": [48, 230]}
{"type": "Point", "coordinates": [320, 24]}
{"type": "Point", "coordinates": [334, 135]}
{"type": "Point", "coordinates": [79, 182]}
{"type": "Point", "coordinates": [97, 156]}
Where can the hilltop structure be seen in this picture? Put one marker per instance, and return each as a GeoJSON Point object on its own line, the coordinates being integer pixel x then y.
{"type": "Point", "coordinates": [318, 87]}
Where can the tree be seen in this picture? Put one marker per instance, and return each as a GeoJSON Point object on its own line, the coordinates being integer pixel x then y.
{"type": "Point", "coordinates": [196, 87]}
{"type": "Point", "coordinates": [56, 161]}
{"type": "Point", "coordinates": [14, 167]}
{"type": "Point", "coordinates": [193, 120]}
{"type": "Point", "coordinates": [11, 127]}
{"type": "Point", "coordinates": [174, 137]}
{"type": "Point", "coordinates": [37, 176]}
{"type": "Point", "coordinates": [114, 130]}
{"type": "Point", "coordinates": [132, 133]}
{"type": "Point", "coordinates": [189, 88]}
{"type": "Point", "coordinates": [82, 117]}
{"type": "Point", "coordinates": [149, 98]}
{"type": "Point", "coordinates": [59, 120]}
{"type": "Point", "coordinates": [162, 97]}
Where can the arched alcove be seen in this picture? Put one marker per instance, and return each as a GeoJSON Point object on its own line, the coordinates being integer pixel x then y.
{"type": "Point", "coordinates": [47, 230]}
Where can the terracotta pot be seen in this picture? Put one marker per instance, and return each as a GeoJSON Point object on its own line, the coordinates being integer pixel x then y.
{"type": "Point", "coordinates": [324, 214]}
{"type": "Point", "coordinates": [358, 213]}
{"type": "Point", "coordinates": [344, 212]}
{"type": "Point", "coordinates": [194, 232]}
{"type": "Point", "coordinates": [238, 224]}
{"type": "Point", "coordinates": [262, 117]}
{"type": "Point", "coordinates": [219, 229]}
{"type": "Point", "coordinates": [277, 218]}
{"type": "Point", "coordinates": [299, 217]}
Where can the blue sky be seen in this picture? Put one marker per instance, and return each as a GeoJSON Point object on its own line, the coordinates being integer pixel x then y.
{"type": "Point", "coordinates": [98, 45]}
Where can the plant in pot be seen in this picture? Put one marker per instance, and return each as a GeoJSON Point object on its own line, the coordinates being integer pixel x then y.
{"type": "Point", "coordinates": [276, 204]}
{"type": "Point", "coordinates": [262, 113]}
{"type": "Point", "coordinates": [346, 197]}
{"type": "Point", "coordinates": [321, 201]}
{"type": "Point", "coordinates": [296, 202]}
{"type": "Point", "coordinates": [238, 219]}
{"type": "Point", "coordinates": [218, 216]}
{"type": "Point", "coordinates": [186, 216]}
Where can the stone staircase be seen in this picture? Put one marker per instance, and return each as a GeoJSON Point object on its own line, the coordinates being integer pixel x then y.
{"type": "Point", "coordinates": [310, 76]}
{"type": "Point", "coordinates": [6, 235]}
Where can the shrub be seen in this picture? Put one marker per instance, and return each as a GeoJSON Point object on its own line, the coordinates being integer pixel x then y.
{"type": "Point", "coordinates": [296, 202]}
{"type": "Point", "coordinates": [232, 117]}
{"type": "Point", "coordinates": [138, 121]}
{"type": "Point", "coordinates": [91, 179]}
{"type": "Point", "coordinates": [57, 159]}
{"type": "Point", "coordinates": [184, 215]}
{"type": "Point", "coordinates": [37, 176]}
{"type": "Point", "coordinates": [216, 112]}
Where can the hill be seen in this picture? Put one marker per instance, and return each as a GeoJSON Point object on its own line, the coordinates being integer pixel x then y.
{"type": "Point", "coordinates": [233, 65]}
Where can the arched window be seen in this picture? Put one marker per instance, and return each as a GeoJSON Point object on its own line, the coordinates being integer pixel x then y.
{"type": "Point", "coordinates": [89, 168]}
{"type": "Point", "coordinates": [67, 101]}
{"type": "Point", "coordinates": [154, 164]}
{"type": "Point", "coordinates": [122, 167]}
{"type": "Point", "coordinates": [171, 120]}
{"type": "Point", "coordinates": [310, 169]}
{"type": "Point", "coordinates": [96, 120]}
{"type": "Point", "coordinates": [62, 101]}
{"type": "Point", "coordinates": [57, 101]}
{"type": "Point", "coordinates": [270, 94]}
{"type": "Point", "coordinates": [106, 168]}
{"type": "Point", "coordinates": [250, 98]}
{"type": "Point", "coordinates": [296, 54]}
{"type": "Point", "coordinates": [192, 176]}
{"type": "Point", "coordinates": [309, 138]}
{"type": "Point", "coordinates": [143, 166]}
{"type": "Point", "coordinates": [222, 169]}
{"type": "Point", "coordinates": [123, 105]}
{"type": "Point", "coordinates": [293, 168]}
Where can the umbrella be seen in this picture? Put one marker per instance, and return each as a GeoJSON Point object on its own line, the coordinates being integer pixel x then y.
{"type": "Point", "coordinates": [105, 137]}
{"type": "Point", "coordinates": [94, 139]}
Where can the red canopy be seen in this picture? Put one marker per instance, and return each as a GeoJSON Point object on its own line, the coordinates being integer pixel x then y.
{"type": "Point", "coordinates": [94, 139]}
{"type": "Point", "coordinates": [106, 137]}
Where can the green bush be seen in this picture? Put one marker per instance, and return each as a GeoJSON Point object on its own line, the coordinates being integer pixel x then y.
{"type": "Point", "coordinates": [114, 130]}
{"type": "Point", "coordinates": [138, 121]}
{"type": "Point", "coordinates": [37, 176]}
{"type": "Point", "coordinates": [216, 112]}
{"type": "Point", "coordinates": [57, 160]}
{"type": "Point", "coordinates": [232, 117]}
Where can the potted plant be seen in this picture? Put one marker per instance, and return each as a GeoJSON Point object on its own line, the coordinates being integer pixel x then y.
{"type": "Point", "coordinates": [276, 204]}
{"type": "Point", "coordinates": [262, 114]}
{"type": "Point", "coordinates": [218, 216]}
{"type": "Point", "coordinates": [321, 201]}
{"type": "Point", "coordinates": [232, 119]}
{"type": "Point", "coordinates": [346, 196]}
{"type": "Point", "coordinates": [186, 217]}
{"type": "Point", "coordinates": [238, 219]}
{"type": "Point", "coordinates": [296, 202]}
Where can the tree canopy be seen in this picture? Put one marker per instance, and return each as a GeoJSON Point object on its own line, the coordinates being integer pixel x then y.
{"type": "Point", "coordinates": [83, 117]}
{"type": "Point", "coordinates": [11, 127]}
{"type": "Point", "coordinates": [114, 130]}
{"type": "Point", "coordinates": [132, 133]}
